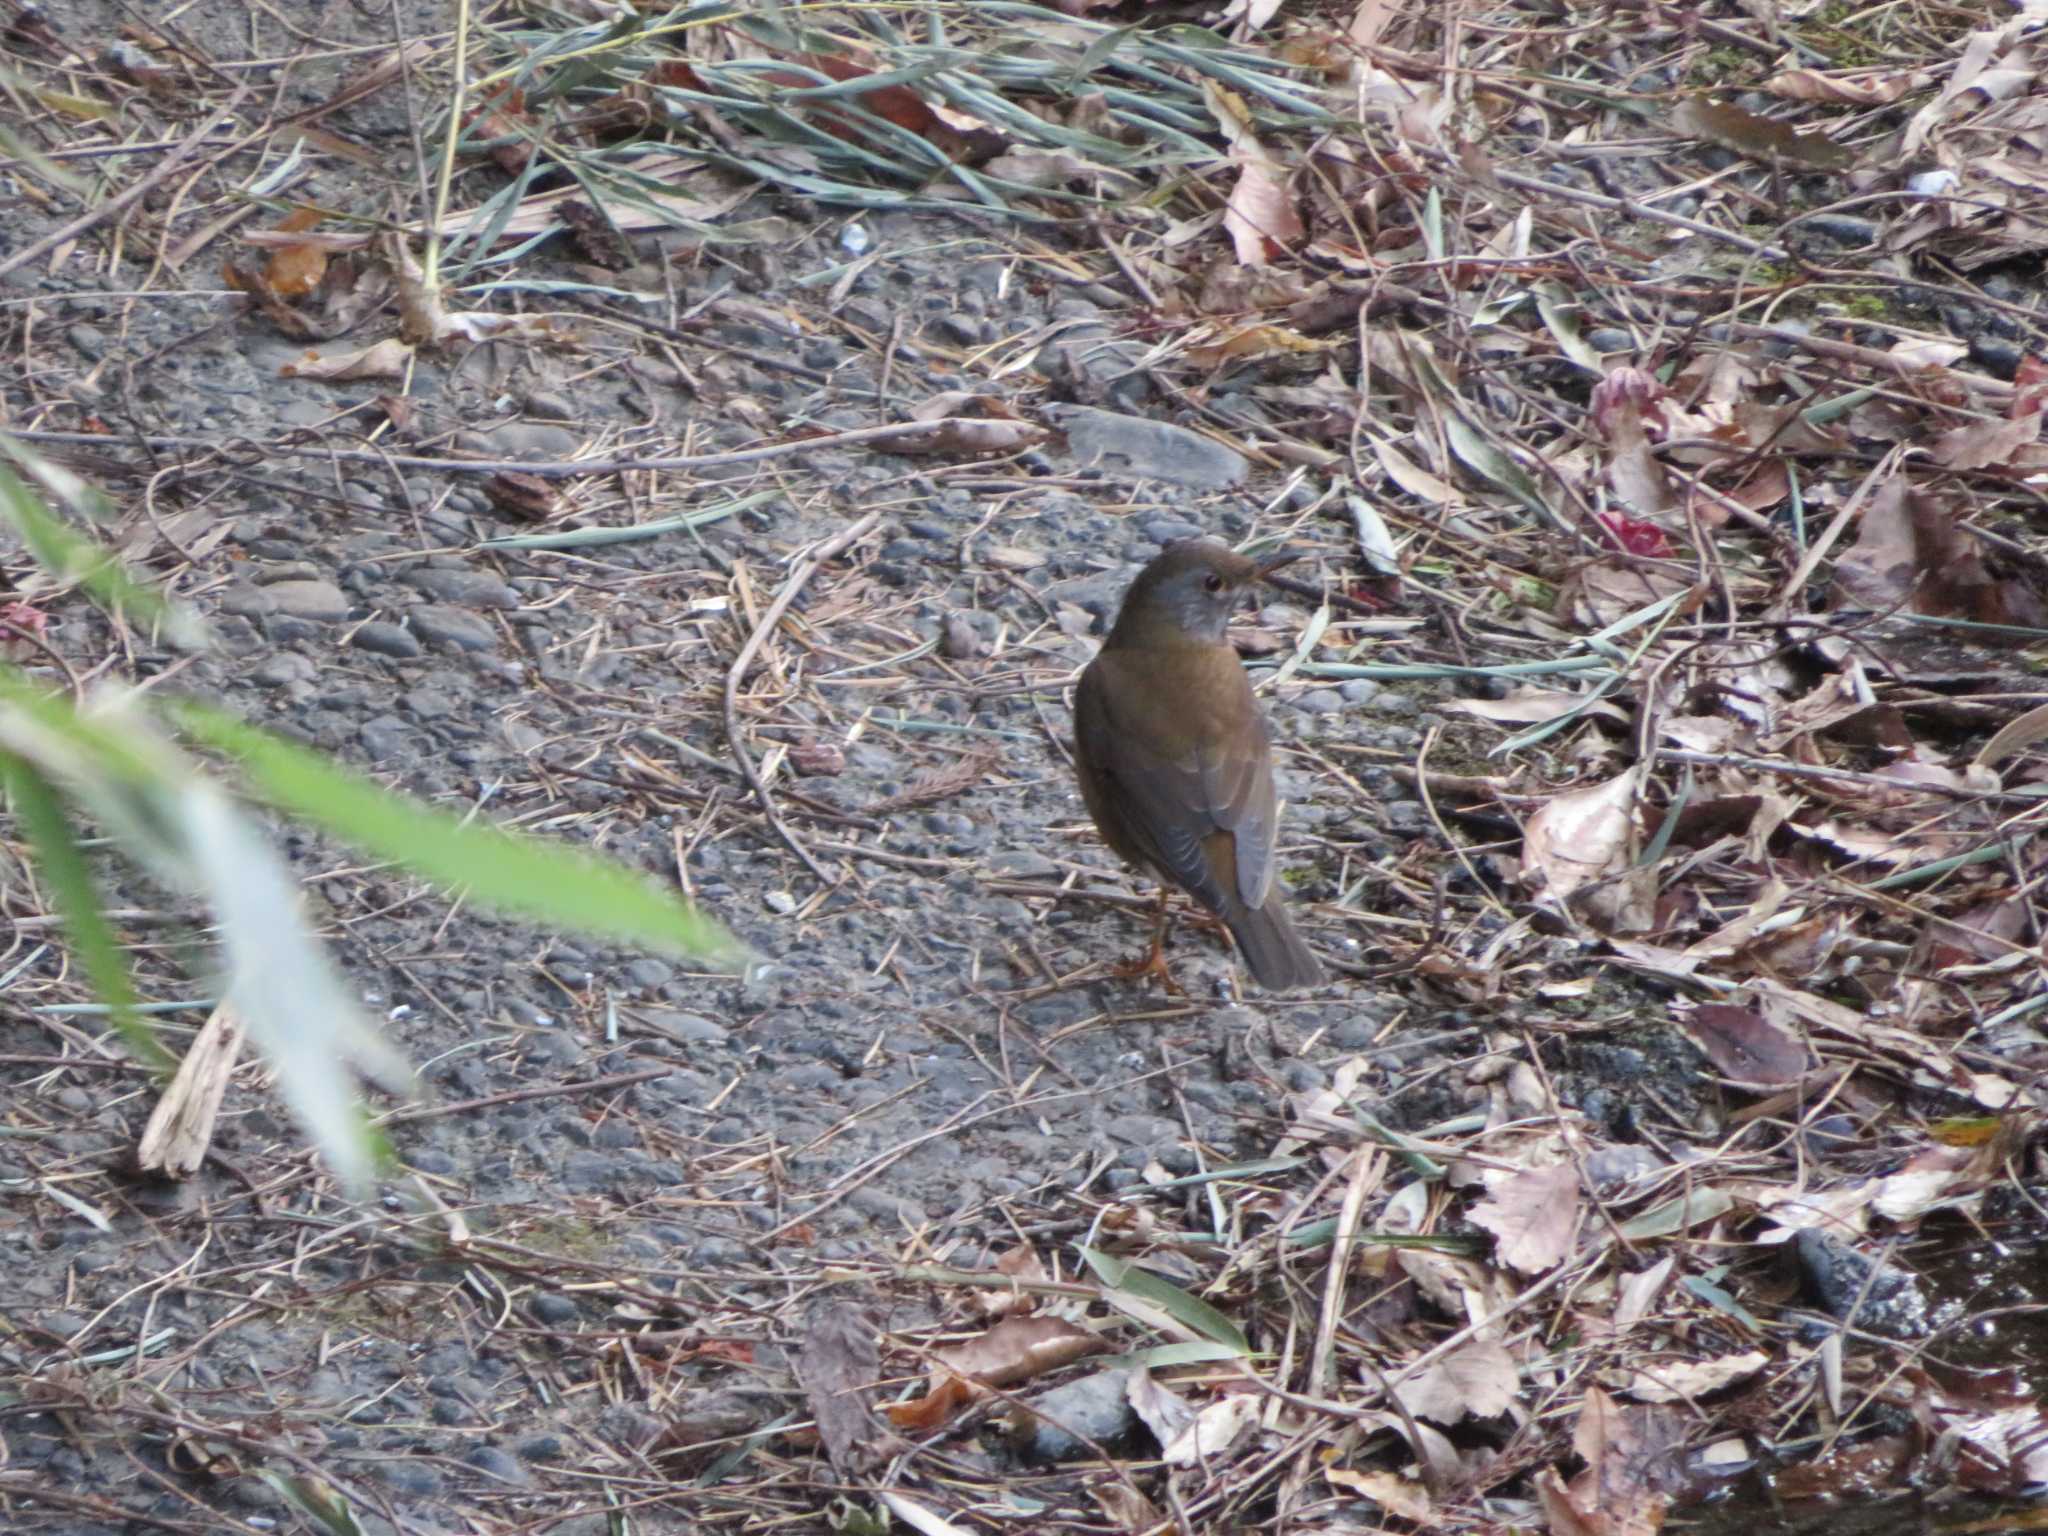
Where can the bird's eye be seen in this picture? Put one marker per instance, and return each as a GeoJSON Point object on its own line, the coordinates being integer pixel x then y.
{"type": "Point", "coordinates": [1212, 583]}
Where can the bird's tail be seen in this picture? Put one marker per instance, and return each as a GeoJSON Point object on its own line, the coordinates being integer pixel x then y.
{"type": "Point", "coordinates": [1274, 952]}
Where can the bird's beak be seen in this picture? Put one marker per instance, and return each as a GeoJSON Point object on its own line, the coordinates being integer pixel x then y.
{"type": "Point", "coordinates": [1272, 563]}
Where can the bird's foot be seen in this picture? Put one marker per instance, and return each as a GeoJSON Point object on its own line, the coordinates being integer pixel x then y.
{"type": "Point", "coordinates": [1153, 964]}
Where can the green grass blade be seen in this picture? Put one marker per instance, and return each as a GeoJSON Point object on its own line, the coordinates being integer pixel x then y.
{"type": "Point", "coordinates": [40, 811]}
{"type": "Point", "coordinates": [563, 886]}
{"type": "Point", "coordinates": [1190, 1311]}
{"type": "Point", "coordinates": [70, 556]}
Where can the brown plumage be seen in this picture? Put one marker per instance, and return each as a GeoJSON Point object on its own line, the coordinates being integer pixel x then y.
{"type": "Point", "coordinates": [1176, 760]}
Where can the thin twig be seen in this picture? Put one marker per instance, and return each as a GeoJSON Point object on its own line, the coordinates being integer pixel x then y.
{"type": "Point", "coordinates": [127, 195]}
{"type": "Point", "coordinates": [799, 577]}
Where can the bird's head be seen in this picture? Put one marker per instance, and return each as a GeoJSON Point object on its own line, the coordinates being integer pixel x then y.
{"type": "Point", "coordinates": [1187, 594]}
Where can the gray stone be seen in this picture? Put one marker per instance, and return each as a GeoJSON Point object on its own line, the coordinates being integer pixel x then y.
{"type": "Point", "coordinates": [283, 669]}
{"type": "Point", "coordinates": [521, 440]}
{"type": "Point", "coordinates": [1320, 701]}
{"type": "Point", "coordinates": [648, 974]}
{"type": "Point", "coordinates": [472, 589]}
{"type": "Point", "coordinates": [1360, 690]}
{"type": "Point", "coordinates": [320, 602]}
{"type": "Point", "coordinates": [393, 640]}
{"type": "Point", "coordinates": [455, 628]}
{"type": "Point", "coordinates": [1134, 447]}
{"type": "Point", "coordinates": [1073, 1420]}
{"type": "Point", "coordinates": [410, 1477]}
{"type": "Point", "coordinates": [88, 341]}
{"type": "Point", "coordinates": [690, 1028]}
{"type": "Point", "coordinates": [245, 602]}
{"type": "Point", "coordinates": [502, 1465]}
{"type": "Point", "coordinates": [385, 737]}
{"type": "Point", "coordinates": [272, 572]}
{"type": "Point", "coordinates": [427, 704]}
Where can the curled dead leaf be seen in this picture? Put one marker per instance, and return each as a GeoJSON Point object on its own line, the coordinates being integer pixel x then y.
{"type": "Point", "coordinates": [386, 359]}
{"type": "Point", "coordinates": [1534, 1217]}
{"type": "Point", "coordinates": [526, 497]}
{"type": "Point", "coordinates": [1583, 835]}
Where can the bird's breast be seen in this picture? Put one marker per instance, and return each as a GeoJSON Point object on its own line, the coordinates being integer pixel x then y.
{"type": "Point", "coordinates": [1178, 699]}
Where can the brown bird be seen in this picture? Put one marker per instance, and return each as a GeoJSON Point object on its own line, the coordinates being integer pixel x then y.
{"type": "Point", "coordinates": [1176, 759]}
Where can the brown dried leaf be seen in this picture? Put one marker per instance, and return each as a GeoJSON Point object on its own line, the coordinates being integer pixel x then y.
{"type": "Point", "coordinates": [1244, 341]}
{"type": "Point", "coordinates": [839, 1368]}
{"type": "Point", "coordinates": [1598, 594]}
{"type": "Point", "coordinates": [1533, 706]}
{"type": "Point", "coordinates": [1019, 1348]}
{"type": "Point", "coordinates": [1021, 1264]}
{"type": "Point", "coordinates": [1990, 444]}
{"type": "Point", "coordinates": [1673, 1381]}
{"type": "Point", "coordinates": [958, 436]}
{"type": "Point", "coordinates": [1478, 1380]}
{"type": "Point", "coordinates": [1163, 1411]}
{"type": "Point", "coordinates": [425, 321]}
{"type": "Point", "coordinates": [1260, 215]}
{"type": "Point", "coordinates": [1582, 835]}
{"type": "Point", "coordinates": [1851, 88]}
{"type": "Point", "coordinates": [1213, 1431]}
{"type": "Point", "coordinates": [1397, 1495]}
{"type": "Point", "coordinates": [817, 759]}
{"type": "Point", "coordinates": [1533, 1215]}
{"type": "Point", "coordinates": [386, 359]}
{"type": "Point", "coordinates": [293, 271]}
{"type": "Point", "coordinates": [1744, 1045]}
{"type": "Point", "coordinates": [1625, 1451]}
{"type": "Point", "coordinates": [528, 498]}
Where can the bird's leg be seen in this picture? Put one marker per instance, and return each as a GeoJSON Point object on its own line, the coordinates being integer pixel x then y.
{"type": "Point", "coordinates": [1199, 916]}
{"type": "Point", "coordinates": [1154, 964]}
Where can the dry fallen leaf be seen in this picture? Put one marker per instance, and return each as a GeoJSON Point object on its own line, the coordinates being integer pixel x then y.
{"type": "Point", "coordinates": [1626, 1452]}
{"type": "Point", "coordinates": [1745, 1046]}
{"type": "Point", "coordinates": [386, 359]}
{"type": "Point", "coordinates": [1019, 1348]}
{"type": "Point", "coordinates": [1674, 1381]}
{"type": "Point", "coordinates": [1260, 216]}
{"type": "Point", "coordinates": [1851, 88]}
{"type": "Point", "coordinates": [1533, 1215]}
{"type": "Point", "coordinates": [1213, 1431]}
{"type": "Point", "coordinates": [1398, 1496]}
{"type": "Point", "coordinates": [1583, 835]}
{"type": "Point", "coordinates": [1479, 1380]}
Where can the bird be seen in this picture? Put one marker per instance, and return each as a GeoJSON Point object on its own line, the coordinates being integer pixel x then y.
{"type": "Point", "coordinates": [1175, 758]}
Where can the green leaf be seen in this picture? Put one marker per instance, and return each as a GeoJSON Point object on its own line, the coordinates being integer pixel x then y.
{"type": "Point", "coordinates": [1561, 315]}
{"type": "Point", "coordinates": [319, 1503]}
{"type": "Point", "coordinates": [1495, 464]}
{"type": "Point", "coordinates": [71, 557]}
{"type": "Point", "coordinates": [1191, 1312]}
{"type": "Point", "coordinates": [62, 866]}
{"type": "Point", "coordinates": [1714, 1296]}
{"type": "Point", "coordinates": [562, 886]}
{"type": "Point", "coordinates": [1674, 1216]}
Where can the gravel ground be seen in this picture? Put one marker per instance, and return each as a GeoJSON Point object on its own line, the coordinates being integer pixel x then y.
{"type": "Point", "coordinates": [936, 1056]}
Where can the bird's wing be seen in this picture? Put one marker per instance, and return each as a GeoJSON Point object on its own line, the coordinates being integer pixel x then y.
{"type": "Point", "coordinates": [1185, 770]}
